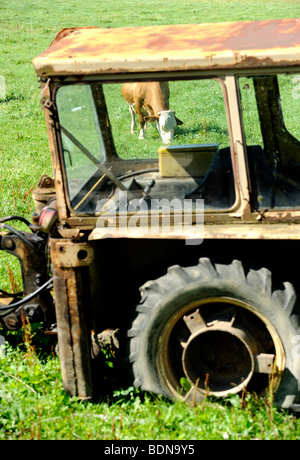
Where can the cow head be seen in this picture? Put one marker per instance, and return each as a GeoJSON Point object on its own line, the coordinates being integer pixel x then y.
{"type": "Point", "coordinates": [166, 125]}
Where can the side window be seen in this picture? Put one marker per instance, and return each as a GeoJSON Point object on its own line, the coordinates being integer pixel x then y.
{"type": "Point", "coordinates": [289, 88]}
{"type": "Point", "coordinates": [78, 119]}
{"type": "Point", "coordinates": [270, 107]}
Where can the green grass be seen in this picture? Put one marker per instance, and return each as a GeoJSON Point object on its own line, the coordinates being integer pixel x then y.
{"type": "Point", "coordinates": [33, 404]}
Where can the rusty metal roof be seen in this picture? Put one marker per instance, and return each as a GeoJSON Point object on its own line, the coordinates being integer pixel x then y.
{"type": "Point", "coordinates": [87, 51]}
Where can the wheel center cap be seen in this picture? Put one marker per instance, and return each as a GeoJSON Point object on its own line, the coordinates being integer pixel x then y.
{"type": "Point", "coordinates": [219, 358]}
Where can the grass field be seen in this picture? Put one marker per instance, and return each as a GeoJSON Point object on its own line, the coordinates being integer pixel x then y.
{"type": "Point", "coordinates": [33, 404]}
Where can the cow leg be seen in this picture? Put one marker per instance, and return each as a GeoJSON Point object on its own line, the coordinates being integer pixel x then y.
{"type": "Point", "coordinates": [157, 126]}
{"type": "Point", "coordinates": [132, 113]}
{"type": "Point", "coordinates": [142, 132]}
{"type": "Point", "coordinates": [142, 122]}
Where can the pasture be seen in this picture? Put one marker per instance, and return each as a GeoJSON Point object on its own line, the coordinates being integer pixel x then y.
{"type": "Point", "coordinates": [33, 403]}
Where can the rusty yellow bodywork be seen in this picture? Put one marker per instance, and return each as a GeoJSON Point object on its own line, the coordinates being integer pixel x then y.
{"type": "Point", "coordinates": [87, 259]}
{"type": "Point", "coordinates": [90, 51]}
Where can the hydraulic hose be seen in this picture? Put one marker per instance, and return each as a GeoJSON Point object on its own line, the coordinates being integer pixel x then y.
{"type": "Point", "coordinates": [22, 219]}
{"type": "Point", "coordinates": [26, 299]}
{"type": "Point", "coordinates": [19, 235]}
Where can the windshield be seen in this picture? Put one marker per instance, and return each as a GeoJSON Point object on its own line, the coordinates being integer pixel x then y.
{"type": "Point", "coordinates": [169, 138]}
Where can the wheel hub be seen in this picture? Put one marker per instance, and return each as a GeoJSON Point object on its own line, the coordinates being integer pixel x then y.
{"type": "Point", "coordinates": [220, 357]}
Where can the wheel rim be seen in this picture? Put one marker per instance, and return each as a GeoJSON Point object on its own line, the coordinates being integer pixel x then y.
{"type": "Point", "coordinates": [218, 346]}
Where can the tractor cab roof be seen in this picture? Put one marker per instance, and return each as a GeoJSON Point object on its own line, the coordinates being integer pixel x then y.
{"type": "Point", "coordinates": [207, 47]}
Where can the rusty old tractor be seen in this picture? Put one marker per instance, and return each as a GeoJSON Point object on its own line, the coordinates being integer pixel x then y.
{"type": "Point", "coordinates": [183, 257]}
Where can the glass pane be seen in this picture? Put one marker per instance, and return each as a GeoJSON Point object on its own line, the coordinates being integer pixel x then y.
{"type": "Point", "coordinates": [289, 87]}
{"type": "Point", "coordinates": [184, 154]}
{"type": "Point", "coordinates": [198, 105]}
{"type": "Point", "coordinates": [198, 109]}
{"type": "Point", "coordinates": [270, 112]}
{"type": "Point", "coordinates": [77, 115]}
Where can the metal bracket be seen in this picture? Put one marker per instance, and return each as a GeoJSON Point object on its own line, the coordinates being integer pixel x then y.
{"type": "Point", "coordinates": [70, 255]}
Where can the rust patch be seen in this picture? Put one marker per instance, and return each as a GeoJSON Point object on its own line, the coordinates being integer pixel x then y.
{"type": "Point", "coordinates": [261, 35]}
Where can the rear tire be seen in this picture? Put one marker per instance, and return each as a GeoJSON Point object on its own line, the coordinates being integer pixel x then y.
{"type": "Point", "coordinates": [217, 329]}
